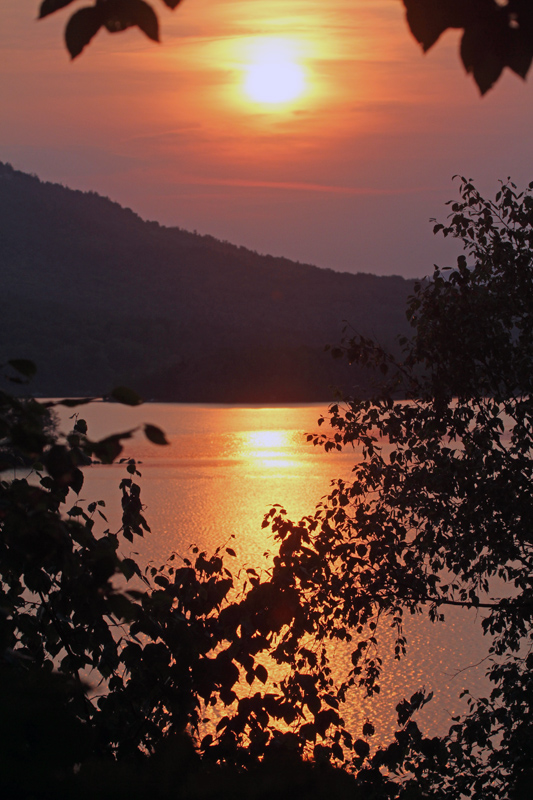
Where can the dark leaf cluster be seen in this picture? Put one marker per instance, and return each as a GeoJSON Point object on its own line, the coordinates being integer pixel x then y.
{"type": "Point", "coordinates": [495, 34]}
{"type": "Point", "coordinates": [117, 675]}
{"type": "Point", "coordinates": [439, 511]}
{"type": "Point", "coordinates": [190, 675]}
{"type": "Point", "coordinates": [113, 15]}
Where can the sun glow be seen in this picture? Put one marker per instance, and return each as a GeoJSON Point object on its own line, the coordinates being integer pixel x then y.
{"type": "Point", "coordinates": [269, 448]}
{"type": "Point", "coordinates": [274, 75]}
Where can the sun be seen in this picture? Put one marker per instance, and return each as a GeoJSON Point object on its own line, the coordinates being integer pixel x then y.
{"type": "Point", "coordinates": [274, 82]}
{"type": "Point", "coordinates": [274, 75]}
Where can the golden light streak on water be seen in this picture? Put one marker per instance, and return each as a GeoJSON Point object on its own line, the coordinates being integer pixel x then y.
{"type": "Point", "coordinates": [225, 467]}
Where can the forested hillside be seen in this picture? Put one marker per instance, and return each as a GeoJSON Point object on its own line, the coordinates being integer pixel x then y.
{"type": "Point", "coordinates": [96, 297]}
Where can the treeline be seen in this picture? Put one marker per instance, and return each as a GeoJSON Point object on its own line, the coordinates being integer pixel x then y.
{"type": "Point", "coordinates": [96, 296]}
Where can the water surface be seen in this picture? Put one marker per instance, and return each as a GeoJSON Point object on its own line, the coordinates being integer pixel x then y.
{"type": "Point", "coordinates": [224, 469]}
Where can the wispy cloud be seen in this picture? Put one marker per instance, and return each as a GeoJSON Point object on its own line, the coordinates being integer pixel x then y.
{"type": "Point", "coordinates": [299, 186]}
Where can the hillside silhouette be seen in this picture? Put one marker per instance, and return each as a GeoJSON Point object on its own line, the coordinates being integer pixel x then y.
{"type": "Point", "coordinates": [97, 297]}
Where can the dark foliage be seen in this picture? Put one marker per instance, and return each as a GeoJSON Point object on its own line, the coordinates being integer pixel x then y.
{"type": "Point", "coordinates": [159, 682]}
{"type": "Point", "coordinates": [439, 511]}
{"type": "Point", "coordinates": [495, 34]}
{"type": "Point", "coordinates": [111, 673]}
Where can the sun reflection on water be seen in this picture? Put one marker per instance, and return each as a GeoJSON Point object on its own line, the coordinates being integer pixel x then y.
{"type": "Point", "coordinates": [225, 468]}
{"type": "Point", "coordinates": [268, 449]}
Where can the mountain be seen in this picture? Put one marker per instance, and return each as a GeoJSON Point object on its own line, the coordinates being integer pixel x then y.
{"type": "Point", "coordinates": [97, 297]}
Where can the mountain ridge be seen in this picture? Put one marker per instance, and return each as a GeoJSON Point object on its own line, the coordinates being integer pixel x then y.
{"type": "Point", "coordinates": [96, 295]}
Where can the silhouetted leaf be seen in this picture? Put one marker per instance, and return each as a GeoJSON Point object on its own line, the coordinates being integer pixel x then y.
{"type": "Point", "coordinates": [155, 435]}
{"type": "Point", "coordinates": [76, 511]}
{"type": "Point", "coordinates": [76, 482]}
{"type": "Point", "coordinates": [80, 426]}
{"type": "Point", "coordinates": [123, 14]}
{"type": "Point", "coordinates": [429, 19]}
{"type": "Point", "coordinates": [482, 57]}
{"type": "Point", "coordinates": [49, 6]}
{"type": "Point", "coordinates": [61, 465]}
{"type": "Point", "coordinates": [81, 28]}
{"type": "Point", "coordinates": [129, 568]}
{"type": "Point", "coordinates": [520, 53]}
{"type": "Point", "coordinates": [361, 747]}
{"type": "Point", "coordinates": [145, 18]}
{"type": "Point", "coordinates": [108, 449]}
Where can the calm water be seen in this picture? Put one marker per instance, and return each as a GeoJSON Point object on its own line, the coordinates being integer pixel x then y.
{"type": "Point", "coordinates": [223, 470]}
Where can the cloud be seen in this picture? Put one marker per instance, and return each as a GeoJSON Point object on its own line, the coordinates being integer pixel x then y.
{"type": "Point", "coordinates": [300, 186]}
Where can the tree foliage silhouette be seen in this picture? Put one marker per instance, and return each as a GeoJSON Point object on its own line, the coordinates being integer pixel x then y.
{"type": "Point", "coordinates": [156, 679]}
{"type": "Point", "coordinates": [443, 516]}
{"type": "Point", "coordinates": [495, 34]}
{"type": "Point", "coordinates": [132, 664]}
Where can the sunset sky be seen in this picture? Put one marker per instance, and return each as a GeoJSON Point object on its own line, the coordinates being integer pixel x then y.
{"type": "Point", "coordinates": [345, 173]}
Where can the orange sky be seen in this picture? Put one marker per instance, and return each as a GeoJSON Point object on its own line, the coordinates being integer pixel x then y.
{"type": "Point", "coordinates": [346, 176]}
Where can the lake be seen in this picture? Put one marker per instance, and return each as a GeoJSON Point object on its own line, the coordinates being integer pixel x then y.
{"type": "Point", "coordinates": [224, 468]}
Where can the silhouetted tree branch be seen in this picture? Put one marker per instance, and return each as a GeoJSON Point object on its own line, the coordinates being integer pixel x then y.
{"type": "Point", "coordinates": [495, 34]}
